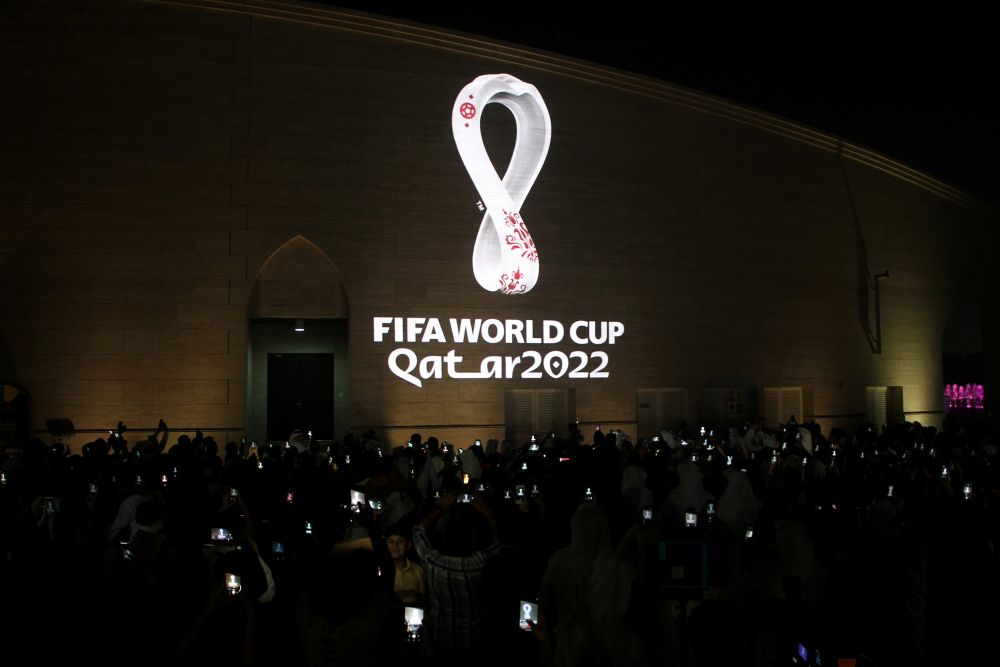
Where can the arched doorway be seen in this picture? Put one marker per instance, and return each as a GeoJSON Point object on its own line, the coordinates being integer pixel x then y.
{"type": "Point", "coordinates": [297, 346]}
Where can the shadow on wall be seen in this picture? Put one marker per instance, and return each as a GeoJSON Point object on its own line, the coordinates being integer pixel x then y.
{"type": "Point", "coordinates": [865, 284]}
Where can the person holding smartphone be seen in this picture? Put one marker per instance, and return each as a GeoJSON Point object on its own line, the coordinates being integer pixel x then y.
{"type": "Point", "coordinates": [464, 540]}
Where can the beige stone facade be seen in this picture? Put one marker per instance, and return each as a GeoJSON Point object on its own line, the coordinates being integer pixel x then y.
{"type": "Point", "coordinates": [172, 170]}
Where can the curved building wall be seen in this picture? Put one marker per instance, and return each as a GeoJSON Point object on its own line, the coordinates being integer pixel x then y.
{"type": "Point", "coordinates": [156, 155]}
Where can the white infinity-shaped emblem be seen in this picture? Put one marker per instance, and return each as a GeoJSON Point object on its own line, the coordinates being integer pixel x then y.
{"type": "Point", "coordinates": [505, 258]}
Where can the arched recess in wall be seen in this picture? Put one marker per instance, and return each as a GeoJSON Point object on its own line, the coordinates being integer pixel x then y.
{"type": "Point", "coordinates": [298, 366]}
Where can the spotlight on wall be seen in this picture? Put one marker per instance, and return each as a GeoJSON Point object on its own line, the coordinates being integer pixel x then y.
{"type": "Point", "coordinates": [300, 326]}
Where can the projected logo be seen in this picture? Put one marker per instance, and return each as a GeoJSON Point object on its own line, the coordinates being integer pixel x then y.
{"type": "Point", "coordinates": [505, 258]}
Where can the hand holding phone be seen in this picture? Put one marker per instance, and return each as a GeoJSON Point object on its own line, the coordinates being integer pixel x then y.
{"type": "Point", "coordinates": [528, 616]}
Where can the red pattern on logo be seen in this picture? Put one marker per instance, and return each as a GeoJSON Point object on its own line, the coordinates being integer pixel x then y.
{"type": "Point", "coordinates": [511, 284]}
{"type": "Point", "coordinates": [468, 110]}
{"type": "Point", "coordinates": [520, 239]}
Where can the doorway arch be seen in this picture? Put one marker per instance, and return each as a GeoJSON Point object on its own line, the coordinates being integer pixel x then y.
{"type": "Point", "coordinates": [298, 364]}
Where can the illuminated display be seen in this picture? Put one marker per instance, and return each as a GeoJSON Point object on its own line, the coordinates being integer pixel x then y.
{"type": "Point", "coordinates": [505, 258]}
{"type": "Point", "coordinates": [405, 364]}
{"type": "Point", "coordinates": [969, 396]}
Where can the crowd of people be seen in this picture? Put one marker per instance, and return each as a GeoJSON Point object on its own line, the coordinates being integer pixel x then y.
{"type": "Point", "coordinates": [696, 546]}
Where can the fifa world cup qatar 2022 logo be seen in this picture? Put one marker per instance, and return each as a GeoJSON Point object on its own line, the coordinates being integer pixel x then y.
{"type": "Point", "coordinates": [505, 258]}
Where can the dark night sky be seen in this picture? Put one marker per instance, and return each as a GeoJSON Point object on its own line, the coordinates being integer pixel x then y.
{"type": "Point", "coordinates": [918, 87]}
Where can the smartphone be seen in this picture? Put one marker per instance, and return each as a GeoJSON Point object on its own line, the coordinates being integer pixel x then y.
{"type": "Point", "coordinates": [690, 520]}
{"type": "Point", "coordinates": [967, 491]}
{"type": "Point", "coordinates": [527, 615]}
{"type": "Point", "coordinates": [524, 466]}
{"type": "Point", "coordinates": [309, 434]}
{"type": "Point", "coordinates": [347, 459]}
{"type": "Point", "coordinates": [588, 494]}
{"type": "Point", "coordinates": [357, 501]}
{"type": "Point", "coordinates": [944, 472]}
{"type": "Point", "coordinates": [221, 535]}
{"type": "Point", "coordinates": [93, 490]}
{"type": "Point", "coordinates": [465, 497]}
{"type": "Point", "coordinates": [533, 439]}
{"type": "Point", "coordinates": [138, 481]}
{"type": "Point", "coordinates": [375, 504]}
{"type": "Point", "coordinates": [749, 533]}
{"type": "Point", "coordinates": [711, 509]}
{"type": "Point", "coordinates": [309, 528]}
{"type": "Point", "coordinates": [479, 443]}
{"type": "Point", "coordinates": [534, 491]}
{"type": "Point", "coordinates": [597, 428]}
{"type": "Point", "coordinates": [50, 506]}
{"type": "Point", "coordinates": [233, 494]}
{"type": "Point", "coordinates": [233, 586]}
{"type": "Point", "coordinates": [481, 488]}
{"type": "Point", "coordinates": [647, 514]}
{"type": "Point", "coordinates": [413, 617]}
{"type": "Point", "coordinates": [3, 479]}
{"type": "Point", "coordinates": [506, 495]}
{"type": "Point", "coordinates": [278, 548]}
{"type": "Point", "coordinates": [889, 494]}
{"type": "Point", "coordinates": [465, 479]}
{"type": "Point", "coordinates": [520, 492]}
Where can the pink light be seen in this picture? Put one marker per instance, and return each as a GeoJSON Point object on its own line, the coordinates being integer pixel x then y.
{"type": "Point", "coordinates": [969, 396]}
